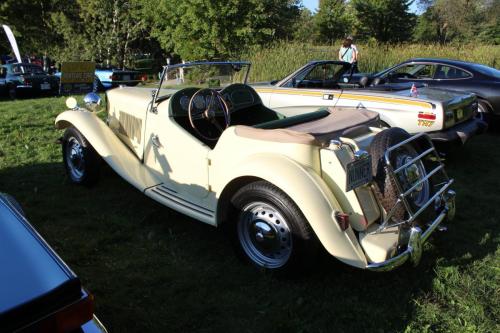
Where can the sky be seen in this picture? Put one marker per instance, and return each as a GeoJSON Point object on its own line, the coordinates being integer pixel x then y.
{"type": "Point", "coordinates": [313, 5]}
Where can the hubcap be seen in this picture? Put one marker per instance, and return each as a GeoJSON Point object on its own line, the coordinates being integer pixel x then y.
{"type": "Point", "coordinates": [411, 175]}
{"type": "Point", "coordinates": [75, 159]}
{"type": "Point", "coordinates": [264, 235]}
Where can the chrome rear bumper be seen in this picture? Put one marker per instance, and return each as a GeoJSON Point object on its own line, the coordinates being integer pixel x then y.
{"type": "Point", "coordinates": [413, 251]}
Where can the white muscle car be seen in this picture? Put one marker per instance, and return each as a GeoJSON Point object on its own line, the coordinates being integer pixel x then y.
{"type": "Point", "coordinates": [446, 116]}
{"type": "Point", "coordinates": [204, 144]}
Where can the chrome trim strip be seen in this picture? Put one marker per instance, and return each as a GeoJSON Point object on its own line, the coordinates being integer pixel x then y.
{"type": "Point", "coordinates": [163, 188]}
{"type": "Point", "coordinates": [182, 202]}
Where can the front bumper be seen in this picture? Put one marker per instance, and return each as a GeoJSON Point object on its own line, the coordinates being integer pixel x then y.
{"type": "Point", "coordinates": [460, 133]}
{"type": "Point", "coordinates": [417, 238]}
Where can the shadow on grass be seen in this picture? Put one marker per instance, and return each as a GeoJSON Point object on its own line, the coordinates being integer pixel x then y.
{"type": "Point", "coordinates": [153, 269]}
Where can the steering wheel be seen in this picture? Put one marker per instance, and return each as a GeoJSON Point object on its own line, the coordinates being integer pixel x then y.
{"type": "Point", "coordinates": [216, 103]}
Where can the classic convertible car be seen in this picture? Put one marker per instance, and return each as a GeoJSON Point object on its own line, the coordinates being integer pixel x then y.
{"type": "Point", "coordinates": [38, 291]}
{"type": "Point", "coordinates": [445, 115]}
{"type": "Point", "coordinates": [204, 144]}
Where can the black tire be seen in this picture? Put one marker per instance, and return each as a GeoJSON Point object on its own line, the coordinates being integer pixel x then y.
{"type": "Point", "coordinates": [385, 187]}
{"type": "Point", "coordinates": [288, 251]}
{"type": "Point", "coordinates": [14, 203]}
{"type": "Point", "coordinates": [81, 161]}
{"type": "Point", "coordinates": [12, 92]}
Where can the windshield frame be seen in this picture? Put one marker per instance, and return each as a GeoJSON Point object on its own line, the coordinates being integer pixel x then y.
{"type": "Point", "coordinates": [308, 68]}
{"type": "Point", "coordinates": [167, 68]}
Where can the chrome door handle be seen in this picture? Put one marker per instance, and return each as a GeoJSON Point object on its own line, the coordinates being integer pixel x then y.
{"type": "Point", "coordinates": [155, 141]}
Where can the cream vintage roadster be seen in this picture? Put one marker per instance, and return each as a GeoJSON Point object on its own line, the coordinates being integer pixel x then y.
{"type": "Point", "coordinates": [203, 143]}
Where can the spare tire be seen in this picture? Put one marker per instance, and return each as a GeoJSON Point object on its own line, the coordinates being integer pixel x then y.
{"type": "Point", "coordinates": [385, 187]}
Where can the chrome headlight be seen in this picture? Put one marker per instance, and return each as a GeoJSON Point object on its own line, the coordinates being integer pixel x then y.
{"type": "Point", "coordinates": [92, 101]}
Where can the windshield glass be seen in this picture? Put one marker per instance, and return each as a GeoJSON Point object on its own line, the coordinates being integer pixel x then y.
{"type": "Point", "coordinates": [27, 69]}
{"type": "Point", "coordinates": [321, 72]}
{"type": "Point", "coordinates": [489, 71]}
{"type": "Point", "coordinates": [203, 75]}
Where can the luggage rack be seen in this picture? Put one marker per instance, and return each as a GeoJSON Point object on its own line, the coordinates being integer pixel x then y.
{"type": "Point", "coordinates": [439, 198]}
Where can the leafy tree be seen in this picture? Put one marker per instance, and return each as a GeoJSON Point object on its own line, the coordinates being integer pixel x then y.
{"type": "Point", "coordinates": [28, 20]}
{"type": "Point", "coordinates": [207, 29]}
{"type": "Point", "coordinates": [99, 30]}
{"type": "Point", "coordinates": [462, 20]}
{"type": "Point", "coordinates": [305, 29]}
{"type": "Point", "coordinates": [332, 20]}
{"type": "Point", "coordinates": [384, 20]}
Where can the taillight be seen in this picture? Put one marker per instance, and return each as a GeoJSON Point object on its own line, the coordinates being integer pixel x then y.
{"type": "Point", "coordinates": [114, 77]}
{"type": "Point", "coordinates": [69, 318]}
{"type": "Point", "coordinates": [427, 116]}
{"type": "Point", "coordinates": [143, 77]}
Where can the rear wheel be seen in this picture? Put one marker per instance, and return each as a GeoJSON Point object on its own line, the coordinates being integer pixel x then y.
{"type": "Point", "coordinates": [269, 229]}
{"type": "Point", "coordinates": [81, 161]}
{"type": "Point", "coordinates": [385, 187]}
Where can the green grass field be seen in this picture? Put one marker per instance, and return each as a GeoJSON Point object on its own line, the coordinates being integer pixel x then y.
{"type": "Point", "coordinates": [154, 270]}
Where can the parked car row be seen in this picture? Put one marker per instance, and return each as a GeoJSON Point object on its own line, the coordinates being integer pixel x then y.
{"type": "Point", "coordinates": [447, 116]}
{"type": "Point", "coordinates": [452, 75]}
{"type": "Point", "coordinates": [26, 79]}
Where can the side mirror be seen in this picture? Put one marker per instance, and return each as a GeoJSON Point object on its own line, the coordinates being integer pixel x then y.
{"type": "Point", "coordinates": [363, 81]}
{"type": "Point", "coordinates": [377, 81]}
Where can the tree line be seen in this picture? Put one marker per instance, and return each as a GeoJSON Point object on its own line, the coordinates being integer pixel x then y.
{"type": "Point", "coordinates": [116, 31]}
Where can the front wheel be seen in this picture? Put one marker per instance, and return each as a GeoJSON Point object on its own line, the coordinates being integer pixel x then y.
{"type": "Point", "coordinates": [483, 111]}
{"type": "Point", "coordinates": [81, 161]}
{"type": "Point", "coordinates": [270, 230]}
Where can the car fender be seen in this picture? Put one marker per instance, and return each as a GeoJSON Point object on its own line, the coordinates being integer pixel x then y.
{"type": "Point", "coordinates": [108, 146]}
{"type": "Point", "coordinates": [312, 196]}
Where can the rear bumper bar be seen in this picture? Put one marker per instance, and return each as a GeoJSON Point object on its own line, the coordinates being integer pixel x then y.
{"type": "Point", "coordinates": [460, 133]}
{"type": "Point", "coordinates": [413, 251]}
